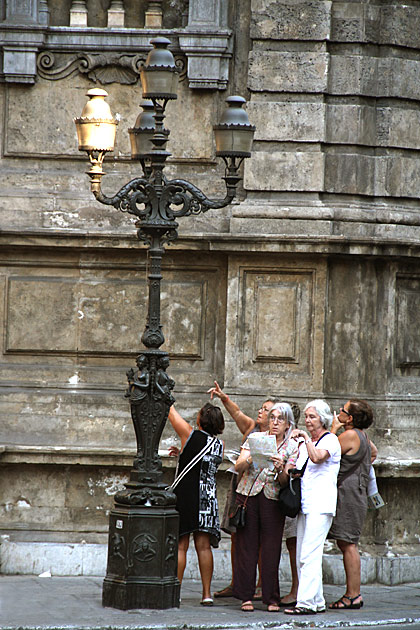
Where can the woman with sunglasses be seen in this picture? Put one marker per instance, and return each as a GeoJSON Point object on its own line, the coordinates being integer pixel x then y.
{"type": "Point", "coordinates": [259, 488]}
{"type": "Point", "coordinates": [357, 454]}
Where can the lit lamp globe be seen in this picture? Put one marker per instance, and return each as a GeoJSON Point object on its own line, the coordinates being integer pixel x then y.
{"type": "Point", "coordinates": [234, 134]}
{"type": "Point", "coordinates": [159, 75]}
{"type": "Point", "coordinates": [142, 132]}
{"type": "Point", "coordinates": [96, 127]}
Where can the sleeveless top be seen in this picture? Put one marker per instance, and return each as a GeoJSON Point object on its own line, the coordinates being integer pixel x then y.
{"type": "Point", "coordinates": [196, 492]}
{"type": "Point", "coordinates": [352, 483]}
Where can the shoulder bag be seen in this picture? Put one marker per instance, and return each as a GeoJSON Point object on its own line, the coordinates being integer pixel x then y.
{"type": "Point", "coordinates": [290, 497]}
{"type": "Point", "coordinates": [191, 464]}
{"type": "Point", "coordinates": [238, 516]}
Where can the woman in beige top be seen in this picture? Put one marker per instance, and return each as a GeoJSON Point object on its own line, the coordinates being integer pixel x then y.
{"type": "Point", "coordinates": [259, 488]}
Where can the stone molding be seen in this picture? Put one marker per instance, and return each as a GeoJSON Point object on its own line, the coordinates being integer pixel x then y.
{"type": "Point", "coordinates": [24, 34]}
{"type": "Point", "coordinates": [391, 466]}
{"type": "Point", "coordinates": [103, 68]}
{"type": "Point", "coordinates": [29, 558]}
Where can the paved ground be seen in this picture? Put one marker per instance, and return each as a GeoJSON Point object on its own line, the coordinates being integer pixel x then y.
{"type": "Point", "coordinates": [28, 602]}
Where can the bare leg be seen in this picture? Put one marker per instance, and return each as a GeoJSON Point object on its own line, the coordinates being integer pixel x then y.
{"type": "Point", "coordinates": [351, 559]}
{"type": "Point", "coordinates": [183, 545]}
{"type": "Point", "coordinates": [291, 548]}
{"type": "Point", "coordinates": [205, 560]}
{"type": "Point", "coordinates": [227, 591]}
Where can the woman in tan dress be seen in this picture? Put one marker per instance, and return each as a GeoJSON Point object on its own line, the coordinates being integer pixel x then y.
{"type": "Point", "coordinates": [357, 454]}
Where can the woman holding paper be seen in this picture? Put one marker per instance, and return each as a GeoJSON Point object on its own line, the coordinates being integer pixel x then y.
{"type": "Point", "coordinates": [259, 488]}
{"type": "Point", "coordinates": [320, 458]}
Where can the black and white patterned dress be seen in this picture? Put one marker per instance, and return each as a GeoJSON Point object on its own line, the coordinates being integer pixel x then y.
{"type": "Point", "coordinates": [196, 492]}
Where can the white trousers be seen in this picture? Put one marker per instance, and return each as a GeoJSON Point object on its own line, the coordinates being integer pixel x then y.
{"type": "Point", "coordinates": [312, 530]}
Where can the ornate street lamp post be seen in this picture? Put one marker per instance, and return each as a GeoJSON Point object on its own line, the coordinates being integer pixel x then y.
{"type": "Point", "coordinates": [143, 532]}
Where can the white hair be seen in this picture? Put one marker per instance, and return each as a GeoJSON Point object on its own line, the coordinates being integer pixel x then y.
{"type": "Point", "coordinates": [323, 410]}
{"type": "Point", "coordinates": [287, 413]}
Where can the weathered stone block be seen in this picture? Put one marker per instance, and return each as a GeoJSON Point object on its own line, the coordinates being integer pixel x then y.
{"type": "Point", "coordinates": [400, 25]}
{"type": "Point", "coordinates": [300, 122]}
{"type": "Point", "coordinates": [399, 78]}
{"type": "Point", "coordinates": [402, 176]}
{"type": "Point", "coordinates": [397, 127]}
{"type": "Point", "coordinates": [347, 22]}
{"type": "Point", "coordinates": [350, 173]}
{"type": "Point", "coordinates": [291, 19]}
{"type": "Point", "coordinates": [350, 124]}
{"type": "Point", "coordinates": [353, 74]}
{"type": "Point", "coordinates": [285, 170]}
{"type": "Point", "coordinates": [272, 71]}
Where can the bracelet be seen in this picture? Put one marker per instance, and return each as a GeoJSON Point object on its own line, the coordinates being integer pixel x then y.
{"type": "Point", "coordinates": [308, 440]}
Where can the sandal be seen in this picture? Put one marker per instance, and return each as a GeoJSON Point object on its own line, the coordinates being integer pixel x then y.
{"type": "Point", "coordinates": [207, 601]}
{"type": "Point", "coordinates": [225, 592]}
{"type": "Point", "coordinates": [298, 610]}
{"type": "Point", "coordinates": [341, 605]}
{"type": "Point", "coordinates": [247, 606]}
{"type": "Point", "coordinates": [273, 608]}
{"type": "Point", "coordinates": [258, 594]}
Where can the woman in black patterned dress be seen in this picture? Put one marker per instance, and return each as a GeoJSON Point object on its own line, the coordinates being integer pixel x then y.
{"type": "Point", "coordinates": [196, 492]}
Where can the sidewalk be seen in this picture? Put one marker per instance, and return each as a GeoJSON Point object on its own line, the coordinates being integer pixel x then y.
{"type": "Point", "coordinates": [28, 602]}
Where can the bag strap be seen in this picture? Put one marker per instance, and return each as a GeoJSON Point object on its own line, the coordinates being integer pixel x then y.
{"type": "Point", "coordinates": [247, 496]}
{"type": "Point", "coordinates": [192, 463]}
{"type": "Point", "coordinates": [316, 444]}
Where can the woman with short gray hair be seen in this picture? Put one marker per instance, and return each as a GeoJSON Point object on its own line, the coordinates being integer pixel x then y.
{"type": "Point", "coordinates": [320, 454]}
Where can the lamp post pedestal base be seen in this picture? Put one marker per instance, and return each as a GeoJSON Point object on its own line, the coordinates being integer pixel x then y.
{"type": "Point", "coordinates": [142, 558]}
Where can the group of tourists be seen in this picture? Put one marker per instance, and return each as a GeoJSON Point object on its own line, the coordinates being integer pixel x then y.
{"type": "Point", "coordinates": [334, 474]}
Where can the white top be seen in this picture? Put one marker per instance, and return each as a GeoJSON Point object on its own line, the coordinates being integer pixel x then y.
{"type": "Point", "coordinates": [319, 482]}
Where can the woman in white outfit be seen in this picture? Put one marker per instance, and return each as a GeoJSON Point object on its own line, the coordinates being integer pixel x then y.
{"type": "Point", "coordinates": [322, 452]}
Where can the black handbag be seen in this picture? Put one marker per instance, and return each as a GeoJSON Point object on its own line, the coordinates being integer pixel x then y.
{"type": "Point", "coordinates": [290, 497]}
{"type": "Point", "coordinates": [238, 517]}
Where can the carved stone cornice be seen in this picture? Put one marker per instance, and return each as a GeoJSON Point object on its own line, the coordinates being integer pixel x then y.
{"type": "Point", "coordinates": [112, 54]}
{"type": "Point", "coordinates": [105, 67]}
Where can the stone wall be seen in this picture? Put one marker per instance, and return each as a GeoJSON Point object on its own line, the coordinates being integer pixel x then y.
{"type": "Point", "coordinates": [308, 286]}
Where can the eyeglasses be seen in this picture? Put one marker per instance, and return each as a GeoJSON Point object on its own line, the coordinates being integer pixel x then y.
{"type": "Point", "coordinates": [345, 411]}
{"type": "Point", "coordinates": [277, 420]}
{"type": "Point", "coordinates": [266, 409]}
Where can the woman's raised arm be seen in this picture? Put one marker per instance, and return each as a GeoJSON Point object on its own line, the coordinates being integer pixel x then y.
{"type": "Point", "coordinates": [180, 426]}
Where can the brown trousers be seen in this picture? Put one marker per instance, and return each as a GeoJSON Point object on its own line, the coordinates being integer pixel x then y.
{"type": "Point", "coordinates": [263, 529]}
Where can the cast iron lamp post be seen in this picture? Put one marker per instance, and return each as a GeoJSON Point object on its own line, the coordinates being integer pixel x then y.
{"type": "Point", "coordinates": [143, 532]}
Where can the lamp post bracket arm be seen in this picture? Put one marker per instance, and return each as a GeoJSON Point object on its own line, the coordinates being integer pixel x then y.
{"type": "Point", "coordinates": [191, 199]}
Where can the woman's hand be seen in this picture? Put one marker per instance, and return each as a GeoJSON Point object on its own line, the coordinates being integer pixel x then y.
{"type": "Point", "coordinates": [336, 424]}
{"type": "Point", "coordinates": [174, 451]}
{"type": "Point", "coordinates": [216, 391]}
{"type": "Point", "coordinates": [278, 463]}
{"type": "Point", "coordinates": [296, 433]}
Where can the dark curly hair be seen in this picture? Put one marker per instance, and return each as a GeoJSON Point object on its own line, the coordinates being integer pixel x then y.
{"type": "Point", "coordinates": [211, 419]}
{"type": "Point", "coordinates": [361, 412]}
